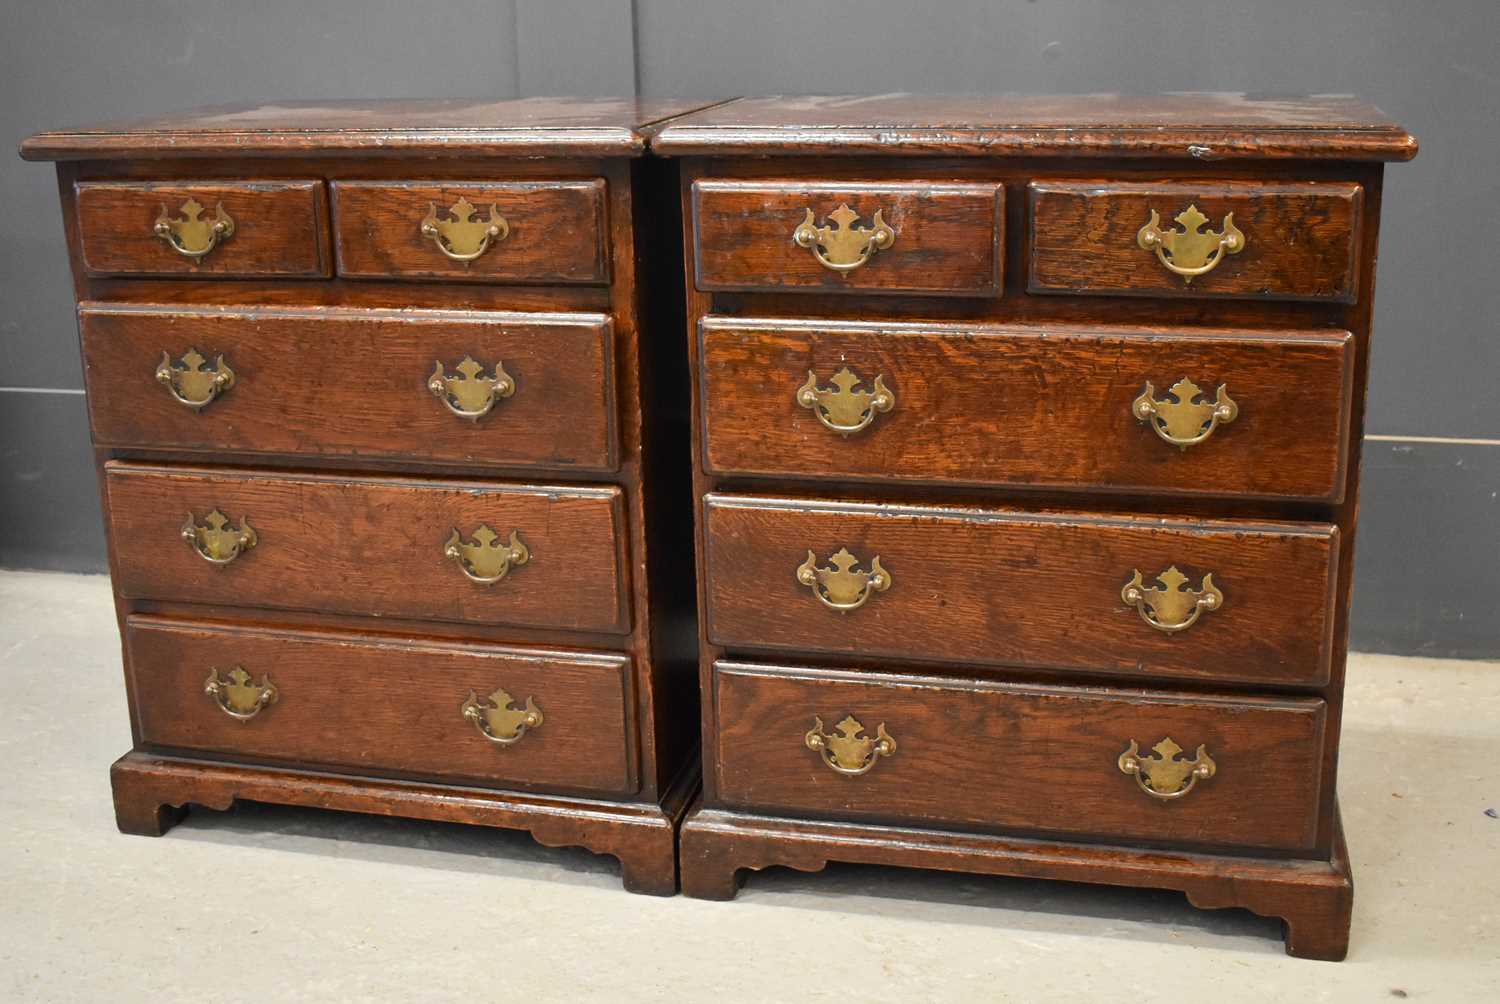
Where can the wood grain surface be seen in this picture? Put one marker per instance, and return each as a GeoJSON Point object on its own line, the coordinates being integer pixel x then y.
{"type": "Point", "coordinates": [1029, 406]}
{"type": "Point", "coordinates": [372, 546]}
{"type": "Point", "coordinates": [1301, 238]}
{"type": "Point", "coordinates": [948, 236]}
{"type": "Point", "coordinates": [362, 704]}
{"type": "Point", "coordinates": [280, 228]}
{"type": "Point", "coordinates": [337, 382]}
{"type": "Point", "coordinates": [979, 753]}
{"type": "Point", "coordinates": [1025, 589]}
{"type": "Point", "coordinates": [556, 230]}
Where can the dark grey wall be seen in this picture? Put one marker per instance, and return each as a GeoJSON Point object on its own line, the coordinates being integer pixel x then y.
{"type": "Point", "coordinates": [1429, 568]}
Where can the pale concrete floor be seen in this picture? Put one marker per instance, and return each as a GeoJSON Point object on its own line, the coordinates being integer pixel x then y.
{"type": "Point", "coordinates": [279, 904]}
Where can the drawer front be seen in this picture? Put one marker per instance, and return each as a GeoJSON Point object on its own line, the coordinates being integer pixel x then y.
{"type": "Point", "coordinates": [379, 547]}
{"type": "Point", "coordinates": [963, 404]}
{"type": "Point", "coordinates": [349, 701]}
{"type": "Point", "coordinates": [502, 231]}
{"type": "Point", "coordinates": [207, 229]}
{"type": "Point", "coordinates": [929, 237]}
{"type": "Point", "coordinates": [355, 383]}
{"type": "Point", "coordinates": [1296, 241]}
{"type": "Point", "coordinates": [974, 753]}
{"type": "Point", "coordinates": [1008, 588]}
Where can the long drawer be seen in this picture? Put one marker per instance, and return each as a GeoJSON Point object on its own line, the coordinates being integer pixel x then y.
{"type": "Point", "coordinates": [1158, 767]}
{"type": "Point", "coordinates": [1225, 413]}
{"type": "Point", "coordinates": [479, 714]}
{"type": "Point", "coordinates": [529, 555]}
{"type": "Point", "coordinates": [1128, 596]}
{"type": "Point", "coordinates": [522, 390]}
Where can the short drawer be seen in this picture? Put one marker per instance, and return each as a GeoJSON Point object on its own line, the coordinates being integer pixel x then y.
{"type": "Point", "coordinates": [938, 238]}
{"type": "Point", "coordinates": [479, 714]}
{"type": "Point", "coordinates": [1272, 241]}
{"type": "Point", "coordinates": [207, 229]}
{"type": "Point", "coordinates": [550, 231]}
{"type": "Point", "coordinates": [1126, 596]}
{"type": "Point", "coordinates": [1208, 413]}
{"type": "Point", "coordinates": [1155, 767]}
{"type": "Point", "coordinates": [475, 551]}
{"type": "Point", "coordinates": [513, 390]}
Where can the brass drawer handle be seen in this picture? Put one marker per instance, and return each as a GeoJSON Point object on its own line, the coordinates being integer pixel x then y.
{"type": "Point", "coordinates": [842, 408]}
{"type": "Point", "coordinates": [471, 394]}
{"type": "Point", "coordinates": [1164, 776]}
{"type": "Point", "coordinates": [1190, 252]}
{"type": "Point", "coordinates": [191, 384]}
{"type": "Point", "coordinates": [486, 560]}
{"type": "Point", "coordinates": [844, 586]}
{"type": "Point", "coordinates": [1171, 608]}
{"type": "Point", "coordinates": [1188, 420]}
{"type": "Point", "coordinates": [843, 247]}
{"type": "Point", "coordinates": [497, 720]}
{"type": "Point", "coordinates": [848, 752]}
{"type": "Point", "coordinates": [463, 238]}
{"type": "Point", "coordinates": [190, 235]}
{"type": "Point", "coordinates": [216, 542]}
{"type": "Point", "coordinates": [237, 697]}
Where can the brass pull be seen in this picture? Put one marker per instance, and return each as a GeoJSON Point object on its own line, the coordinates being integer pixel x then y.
{"type": "Point", "coordinates": [190, 384]}
{"type": "Point", "coordinates": [848, 752]}
{"type": "Point", "coordinates": [1190, 252]}
{"type": "Point", "coordinates": [497, 720]}
{"type": "Point", "coordinates": [470, 395]}
{"type": "Point", "coordinates": [1164, 776]}
{"type": "Point", "coordinates": [1171, 608]}
{"type": "Point", "coordinates": [215, 541]}
{"type": "Point", "coordinates": [842, 408]}
{"type": "Point", "coordinates": [190, 235]}
{"type": "Point", "coordinates": [1190, 418]}
{"type": "Point", "coordinates": [463, 238]}
{"type": "Point", "coordinates": [238, 697]}
{"type": "Point", "coordinates": [843, 247]}
{"type": "Point", "coordinates": [843, 587]}
{"type": "Point", "coordinates": [486, 560]}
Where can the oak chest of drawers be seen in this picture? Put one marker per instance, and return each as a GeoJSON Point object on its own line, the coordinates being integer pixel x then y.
{"type": "Point", "coordinates": [373, 398]}
{"type": "Point", "coordinates": [1026, 462]}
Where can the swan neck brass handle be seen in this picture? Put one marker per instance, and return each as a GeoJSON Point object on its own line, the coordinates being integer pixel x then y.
{"type": "Point", "coordinates": [848, 751]}
{"type": "Point", "coordinates": [1187, 417]}
{"type": "Point", "coordinates": [470, 394]}
{"type": "Point", "coordinates": [191, 381]}
{"type": "Point", "coordinates": [842, 585]}
{"type": "Point", "coordinates": [1170, 607]}
{"type": "Point", "coordinates": [843, 247]}
{"type": "Point", "coordinates": [484, 559]}
{"type": "Point", "coordinates": [844, 406]}
{"type": "Point", "coordinates": [190, 235]}
{"type": "Point", "coordinates": [215, 541]}
{"type": "Point", "coordinates": [1164, 776]}
{"type": "Point", "coordinates": [458, 235]}
{"type": "Point", "coordinates": [1190, 252]}
{"type": "Point", "coordinates": [497, 718]}
{"type": "Point", "coordinates": [237, 696]}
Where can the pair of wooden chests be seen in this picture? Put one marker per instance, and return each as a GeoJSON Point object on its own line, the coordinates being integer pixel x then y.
{"type": "Point", "coordinates": [962, 483]}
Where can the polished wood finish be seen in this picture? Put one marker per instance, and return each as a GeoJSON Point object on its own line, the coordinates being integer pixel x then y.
{"type": "Point", "coordinates": [971, 411]}
{"type": "Point", "coordinates": [975, 753]}
{"type": "Point", "coordinates": [948, 236]}
{"type": "Point", "coordinates": [372, 546]}
{"type": "Point", "coordinates": [351, 382]}
{"type": "Point", "coordinates": [1022, 588]}
{"type": "Point", "coordinates": [1007, 470]}
{"type": "Point", "coordinates": [1301, 238]}
{"type": "Point", "coordinates": [383, 706]}
{"type": "Point", "coordinates": [555, 230]}
{"type": "Point", "coordinates": [280, 228]}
